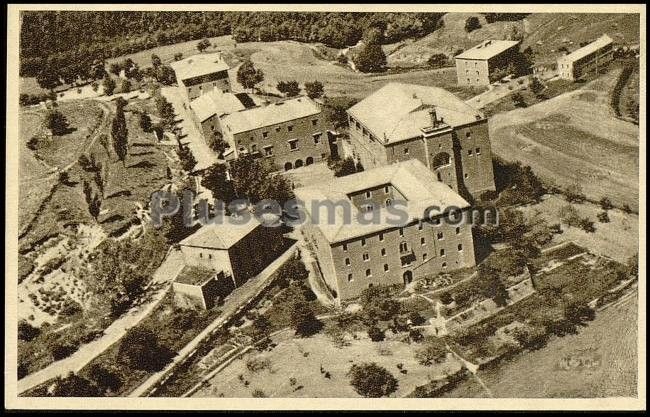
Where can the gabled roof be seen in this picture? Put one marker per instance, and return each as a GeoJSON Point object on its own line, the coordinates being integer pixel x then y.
{"type": "Point", "coordinates": [487, 49]}
{"type": "Point", "coordinates": [587, 49]}
{"type": "Point", "coordinates": [215, 102]}
{"type": "Point", "coordinates": [224, 233]}
{"type": "Point", "coordinates": [198, 65]}
{"type": "Point", "coordinates": [411, 178]}
{"type": "Point", "coordinates": [272, 114]}
{"type": "Point", "coordinates": [398, 111]}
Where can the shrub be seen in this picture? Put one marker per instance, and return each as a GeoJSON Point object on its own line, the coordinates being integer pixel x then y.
{"type": "Point", "coordinates": [258, 393]}
{"type": "Point", "coordinates": [375, 334]}
{"type": "Point", "coordinates": [471, 24]}
{"type": "Point", "coordinates": [342, 59]}
{"type": "Point", "coordinates": [627, 209]}
{"type": "Point", "coordinates": [569, 216]}
{"type": "Point", "coordinates": [606, 204]}
{"type": "Point", "coordinates": [26, 331]}
{"type": "Point", "coordinates": [603, 217]}
{"type": "Point", "coordinates": [587, 225]}
{"type": "Point", "coordinates": [61, 350]}
{"type": "Point", "coordinates": [258, 364]}
{"type": "Point", "coordinates": [372, 380]}
{"type": "Point", "coordinates": [140, 349]}
{"type": "Point", "coordinates": [574, 194]}
{"type": "Point", "coordinates": [416, 318]}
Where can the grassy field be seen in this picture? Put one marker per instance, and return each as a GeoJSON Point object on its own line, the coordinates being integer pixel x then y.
{"type": "Point", "coordinates": [610, 339]}
{"type": "Point", "coordinates": [575, 137]}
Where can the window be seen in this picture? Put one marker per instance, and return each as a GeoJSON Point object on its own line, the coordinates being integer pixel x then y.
{"type": "Point", "coordinates": [290, 128]}
{"type": "Point", "coordinates": [363, 242]}
{"type": "Point", "coordinates": [423, 241]}
{"type": "Point", "coordinates": [200, 254]}
{"type": "Point", "coordinates": [401, 231]}
{"type": "Point", "coordinates": [466, 175]}
{"type": "Point", "coordinates": [420, 226]}
{"type": "Point", "coordinates": [277, 129]}
{"type": "Point", "coordinates": [268, 150]}
{"type": "Point", "coordinates": [367, 207]}
{"type": "Point", "coordinates": [386, 267]}
{"type": "Point", "coordinates": [478, 151]}
{"type": "Point", "coordinates": [347, 261]}
{"type": "Point", "coordinates": [403, 247]}
{"type": "Point", "coordinates": [383, 252]}
{"type": "Point", "coordinates": [389, 202]}
{"type": "Point", "coordinates": [469, 152]}
{"type": "Point", "coordinates": [368, 273]}
{"type": "Point", "coordinates": [366, 257]}
{"type": "Point", "coordinates": [316, 138]}
{"type": "Point", "coordinates": [442, 252]}
{"type": "Point", "coordinates": [265, 134]}
{"type": "Point", "coordinates": [209, 256]}
{"type": "Point", "coordinates": [293, 144]}
{"type": "Point", "coordinates": [406, 151]}
{"type": "Point", "coordinates": [458, 230]}
{"type": "Point", "coordinates": [345, 247]}
{"type": "Point", "coordinates": [253, 148]}
{"type": "Point", "coordinates": [314, 122]}
{"type": "Point", "coordinates": [460, 247]}
{"type": "Point", "coordinates": [386, 189]}
{"type": "Point", "coordinates": [368, 194]}
{"type": "Point", "coordinates": [350, 279]}
{"type": "Point", "coordinates": [444, 264]}
{"type": "Point", "coordinates": [381, 237]}
{"type": "Point", "coordinates": [424, 256]}
{"type": "Point", "coordinates": [440, 236]}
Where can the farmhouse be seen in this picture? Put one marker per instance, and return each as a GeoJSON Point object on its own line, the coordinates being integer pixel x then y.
{"type": "Point", "coordinates": [226, 246]}
{"type": "Point", "coordinates": [405, 121]}
{"type": "Point", "coordinates": [591, 58]}
{"type": "Point", "coordinates": [476, 65]}
{"type": "Point", "coordinates": [362, 241]}
{"type": "Point", "coordinates": [201, 73]}
{"type": "Point", "coordinates": [288, 134]}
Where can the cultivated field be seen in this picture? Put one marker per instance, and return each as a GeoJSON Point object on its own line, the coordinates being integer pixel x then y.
{"type": "Point", "coordinates": [608, 342]}
{"type": "Point", "coordinates": [575, 138]}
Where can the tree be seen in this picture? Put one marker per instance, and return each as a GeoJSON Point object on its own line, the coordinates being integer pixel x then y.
{"type": "Point", "coordinates": [156, 61]}
{"type": "Point", "coordinates": [303, 319]}
{"type": "Point", "coordinates": [288, 88]}
{"type": "Point", "coordinates": [342, 167]}
{"type": "Point", "coordinates": [216, 180]}
{"type": "Point", "coordinates": [518, 100]}
{"type": "Point", "coordinates": [262, 326]}
{"type": "Point", "coordinates": [489, 285]}
{"type": "Point", "coordinates": [115, 69]}
{"type": "Point", "coordinates": [603, 217]}
{"type": "Point", "coordinates": [140, 349]}
{"type": "Point", "coordinates": [26, 331]}
{"type": "Point", "coordinates": [574, 194]}
{"type": "Point", "coordinates": [126, 86]}
{"type": "Point", "coordinates": [119, 132]}
{"type": "Point", "coordinates": [371, 58]}
{"type": "Point", "coordinates": [314, 89]}
{"type": "Point", "coordinates": [178, 56]}
{"type": "Point", "coordinates": [92, 199]}
{"type": "Point", "coordinates": [203, 45]}
{"type": "Point", "coordinates": [105, 142]}
{"type": "Point", "coordinates": [165, 111]}
{"type": "Point", "coordinates": [256, 181]}
{"type": "Point", "coordinates": [438, 60]}
{"type": "Point", "coordinates": [145, 122]}
{"type": "Point", "coordinates": [293, 270]}
{"type": "Point", "coordinates": [606, 204]}
{"type": "Point", "coordinates": [249, 76]}
{"type": "Point", "coordinates": [48, 80]}
{"type": "Point", "coordinates": [56, 122]}
{"type": "Point", "coordinates": [578, 313]}
{"type": "Point", "coordinates": [531, 338]}
{"type": "Point", "coordinates": [378, 304]}
{"type": "Point", "coordinates": [472, 23]}
{"type": "Point", "coordinates": [75, 386]}
{"type": "Point", "coordinates": [218, 144]}
{"type": "Point", "coordinates": [536, 87]}
{"type": "Point", "coordinates": [188, 162]}
{"type": "Point", "coordinates": [433, 352]}
{"type": "Point", "coordinates": [375, 334]}
{"type": "Point", "coordinates": [106, 378]}
{"type": "Point", "coordinates": [165, 75]}
{"type": "Point", "coordinates": [372, 380]}
{"type": "Point", "coordinates": [569, 216]}
{"type": "Point", "coordinates": [109, 86]}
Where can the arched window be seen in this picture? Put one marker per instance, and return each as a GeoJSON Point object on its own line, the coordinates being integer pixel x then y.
{"type": "Point", "coordinates": [440, 160]}
{"type": "Point", "coordinates": [368, 273]}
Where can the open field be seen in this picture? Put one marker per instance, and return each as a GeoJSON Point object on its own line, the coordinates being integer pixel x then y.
{"type": "Point", "coordinates": [301, 358]}
{"type": "Point", "coordinates": [610, 340]}
{"type": "Point", "coordinates": [575, 137]}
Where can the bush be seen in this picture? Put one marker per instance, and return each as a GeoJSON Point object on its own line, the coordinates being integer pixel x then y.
{"type": "Point", "coordinates": [587, 225]}
{"type": "Point", "coordinates": [627, 209]}
{"type": "Point", "coordinates": [140, 349]}
{"type": "Point", "coordinates": [61, 350]}
{"type": "Point", "coordinates": [569, 216]}
{"type": "Point", "coordinates": [471, 24]}
{"type": "Point", "coordinates": [342, 59]}
{"type": "Point", "coordinates": [371, 380]}
{"type": "Point", "coordinates": [371, 58]}
{"type": "Point", "coordinates": [606, 204]}
{"type": "Point", "coordinates": [258, 364]}
{"type": "Point", "coordinates": [375, 334]}
{"type": "Point", "coordinates": [438, 61]}
{"type": "Point", "coordinates": [574, 194]}
{"type": "Point", "coordinates": [603, 217]}
{"type": "Point", "coordinates": [416, 319]}
{"type": "Point", "coordinates": [258, 393]}
{"type": "Point", "coordinates": [26, 331]}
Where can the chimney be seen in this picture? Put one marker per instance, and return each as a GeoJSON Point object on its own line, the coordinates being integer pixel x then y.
{"type": "Point", "coordinates": [434, 117]}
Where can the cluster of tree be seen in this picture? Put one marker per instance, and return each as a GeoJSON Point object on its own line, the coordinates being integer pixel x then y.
{"type": "Point", "coordinates": [371, 56]}
{"type": "Point", "coordinates": [56, 122]}
{"type": "Point", "coordinates": [141, 349]}
{"type": "Point", "coordinates": [249, 76]}
{"type": "Point", "coordinates": [433, 351]}
{"type": "Point", "coordinates": [438, 61]}
{"type": "Point", "coordinates": [32, 99]}
{"type": "Point", "coordinates": [515, 183]}
{"type": "Point", "coordinates": [508, 17]}
{"type": "Point", "coordinates": [371, 380]}
{"type": "Point", "coordinates": [335, 109]}
{"type": "Point", "coordinates": [249, 178]}
{"type": "Point", "coordinates": [292, 88]}
{"type": "Point", "coordinates": [343, 167]}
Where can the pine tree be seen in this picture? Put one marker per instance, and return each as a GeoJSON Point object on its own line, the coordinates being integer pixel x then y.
{"type": "Point", "coordinates": [120, 133]}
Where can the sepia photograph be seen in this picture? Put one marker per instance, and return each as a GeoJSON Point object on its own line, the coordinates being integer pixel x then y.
{"type": "Point", "coordinates": [219, 207]}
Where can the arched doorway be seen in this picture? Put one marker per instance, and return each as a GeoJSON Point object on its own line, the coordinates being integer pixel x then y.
{"type": "Point", "coordinates": [309, 160]}
{"type": "Point", "coordinates": [288, 166]}
{"type": "Point", "coordinates": [298, 163]}
{"type": "Point", "coordinates": [408, 277]}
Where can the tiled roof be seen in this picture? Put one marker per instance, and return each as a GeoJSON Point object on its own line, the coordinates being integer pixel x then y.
{"type": "Point", "coordinates": [198, 65]}
{"type": "Point", "coordinates": [587, 49]}
{"type": "Point", "coordinates": [215, 102]}
{"type": "Point", "coordinates": [411, 178]}
{"type": "Point", "coordinates": [274, 113]}
{"type": "Point", "coordinates": [222, 234]}
{"type": "Point", "coordinates": [398, 111]}
{"type": "Point", "coordinates": [487, 49]}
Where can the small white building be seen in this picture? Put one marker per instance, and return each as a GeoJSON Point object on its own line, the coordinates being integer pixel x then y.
{"type": "Point", "coordinates": [591, 58]}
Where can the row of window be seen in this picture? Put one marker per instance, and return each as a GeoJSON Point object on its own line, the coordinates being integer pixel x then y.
{"type": "Point", "coordinates": [265, 134]}
{"type": "Point", "coordinates": [477, 151]}
{"type": "Point", "coordinates": [439, 235]}
{"type": "Point", "coordinates": [368, 272]}
{"type": "Point", "coordinates": [293, 145]}
{"type": "Point", "coordinates": [403, 249]}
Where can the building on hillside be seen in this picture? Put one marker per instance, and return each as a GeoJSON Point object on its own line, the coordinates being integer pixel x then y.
{"type": "Point", "coordinates": [475, 66]}
{"type": "Point", "coordinates": [209, 108]}
{"type": "Point", "coordinates": [231, 245]}
{"type": "Point", "coordinates": [355, 253]}
{"type": "Point", "coordinates": [288, 134]}
{"type": "Point", "coordinates": [405, 121]}
{"type": "Point", "coordinates": [201, 73]}
{"type": "Point", "coordinates": [200, 288]}
{"type": "Point", "coordinates": [590, 59]}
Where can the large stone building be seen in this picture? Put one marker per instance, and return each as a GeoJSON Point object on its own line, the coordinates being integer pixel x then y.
{"type": "Point", "coordinates": [288, 134]}
{"type": "Point", "coordinates": [232, 246]}
{"type": "Point", "coordinates": [209, 108]}
{"type": "Point", "coordinates": [405, 121]}
{"type": "Point", "coordinates": [355, 253]}
{"type": "Point", "coordinates": [475, 66]}
{"type": "Point", "coordinates": [590, 59]}
{"type": "Point", "coordinates": [201, 73]}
